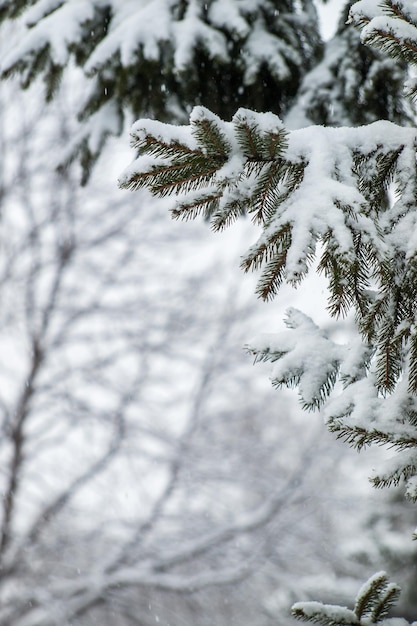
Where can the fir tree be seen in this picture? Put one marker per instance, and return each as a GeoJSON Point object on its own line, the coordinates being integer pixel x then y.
{"type": "Point", "coordinates": [353, 84]}
{"type": "Point", "coordinates": [320, 192]}
{"type": "Point", "coordinates": [322, 186]}
{"type": "Point", "coordinates": [160, 58]}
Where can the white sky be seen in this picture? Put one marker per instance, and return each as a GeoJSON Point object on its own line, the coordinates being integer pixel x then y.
{"type": "Point", "coordinates": [329, 15]}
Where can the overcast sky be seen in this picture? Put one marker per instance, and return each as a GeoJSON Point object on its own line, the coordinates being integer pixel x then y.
{"type": "Point", "coordinates": [329, 14]}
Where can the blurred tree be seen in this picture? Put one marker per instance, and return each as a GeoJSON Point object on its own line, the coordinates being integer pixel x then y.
{"type": "Point", "coordinates": [120, 480]}
{"type": "Point", "coordinates": [349, 86]}
{"type": "Point", "coordinates": [159, 58]}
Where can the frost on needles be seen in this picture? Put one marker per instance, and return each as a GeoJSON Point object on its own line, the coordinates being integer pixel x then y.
{"type": "Point", "coordinates": [313, 191]}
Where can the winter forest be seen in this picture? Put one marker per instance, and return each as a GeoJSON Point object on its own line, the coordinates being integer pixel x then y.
{"type": "Point", "coordinates": [209, 420]}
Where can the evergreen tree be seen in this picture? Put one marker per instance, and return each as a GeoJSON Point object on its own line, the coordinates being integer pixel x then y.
{"type": "Point", "coordinates": [160, 57]}
{"type": "Point", "coordinates": [343, 196]}
{"type": "Point", "coordinates": [315, 185]}
{"type": "Point", "coordinates": [351, 85]}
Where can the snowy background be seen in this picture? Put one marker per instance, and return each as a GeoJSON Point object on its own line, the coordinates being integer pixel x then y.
{"type": "Point", "coordinates": [162, 479]}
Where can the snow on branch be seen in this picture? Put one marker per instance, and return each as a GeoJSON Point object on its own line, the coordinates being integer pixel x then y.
{"type": "Point", "coordinates": [305, 358]}
{"type": "Point", "coordinates": [313, 192]}
{"type": "Point", "coordinates": [390, 25]}
{"type": "Point", "coordinates": [373, 603]}
{"type": "Point", "coordinates": [314, 184]}
{"type": "Point", "coordinates": [325, 614]}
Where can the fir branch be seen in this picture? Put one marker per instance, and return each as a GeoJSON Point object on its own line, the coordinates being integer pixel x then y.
{"type": "Point", "coordinates": [402, 473]}
{"type": "Point", "coordinates": [375, 171]}
{"type": "Point", "coordinates": [292, 175]}
{"type": "Point", "coordinates": [210, 137]}
{"type": "Point", "coordinates": [360, 437]}
{"type": "Point", "coordinates": [230, 213]}
{"type": "Point", "coordinates": [290, 380]}
{"type": "Point", "coordinates": [394, 46]}
{"type": "Point", "coordinates": [265, 196]}
{"type": "Point", "coordinates": [392, 8]}
{"type": "Point", "coordinates": [155, 146]}
{"type": "Point", "coordinates": [262, 356]}
{"type": "Point", "coordinates": [274, 144]}
{"type": "Point", "coordinates": [371, 320]}
{"type": "Point", "coordinates": [205, 204]}
{"type": "Point", "coordinates": [389, 357]}
{"type": "Point", "coordinates": [275, 182]}
{"type": "Point", "coordinates": [323, 614]}
{"type": "Point", "coordinates": [373, 602]}
{"type": "Point", "coordinates": [259, 143]}
{"type": "Point", "coordinates": [249, 140]}
{"type": "Point", "coordinates": [411, 413]}
{"type": "Point", "coordinates": [272, 275]}
{"type": "Point", "coordinates": [412, 374]}
{"type": "Point", "coordinates": [324, 389]}
{"type": "Point", "coordinates": [344, 279]}
{"type": "Point", "coordinates": [369, 594]}
{"type": "Point", "coordinates": [376, 598]}
{"type": "Point", "coordinates": [174, 177]}
{"type": "Point", "coordinates": [276, 244]}
{"type": "Point", "coordinates": [385, 602]}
